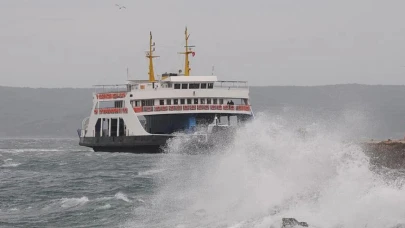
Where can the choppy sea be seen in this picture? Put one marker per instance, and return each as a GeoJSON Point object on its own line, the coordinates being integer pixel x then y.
{"type": "Point", "coordinates": [268, 173]}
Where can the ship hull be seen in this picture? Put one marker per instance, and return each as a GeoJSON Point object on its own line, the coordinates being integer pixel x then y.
{"type": "Point", "coordinates": [147, 144]}
{"type": "Point", "coordinates": [189, 143]}
{"type": "Point", "coordinates": [128, 144]}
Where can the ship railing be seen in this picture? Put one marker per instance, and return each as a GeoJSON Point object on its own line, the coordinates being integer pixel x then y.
{"type": "Point", "coordinates": [99, 89]}
{"type": "Point", "coordinates": [110, 111]}
{"type": "Point", "coordinates": [231, 84]}
{"type": "Point", "coordinates": [175, 108]}
{"type": "Point", "coordinates": [141, 85]}
{"type": "Point", "coordinates": [200, 107]}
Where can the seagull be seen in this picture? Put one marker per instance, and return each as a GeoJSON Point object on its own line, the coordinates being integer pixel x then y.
{"type": "Point", "coordinates": [120, 7]}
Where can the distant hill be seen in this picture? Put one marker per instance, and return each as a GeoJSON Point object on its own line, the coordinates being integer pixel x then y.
{"type": "Point", "coordinates": [28, 112]}
{"type": "Point", "coordinates": [43, 112]}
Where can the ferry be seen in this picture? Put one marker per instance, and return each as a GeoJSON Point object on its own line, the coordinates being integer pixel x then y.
{"type": "Point", "coordinates": [141, 116]}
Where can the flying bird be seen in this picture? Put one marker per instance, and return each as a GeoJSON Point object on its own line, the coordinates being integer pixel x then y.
{"type": "Point", "coordinates": [120, 7]}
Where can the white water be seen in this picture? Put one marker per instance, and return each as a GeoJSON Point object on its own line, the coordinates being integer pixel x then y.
{"type": "Point", "coordinates": [270, 172]}
{"type": "Point", "coordinates": [122, 196]}
{"type": "Point", "coordinates": [73, 202]}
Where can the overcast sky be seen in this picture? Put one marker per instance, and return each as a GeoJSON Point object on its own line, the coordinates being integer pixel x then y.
{"type": "Point", "coordinates": [78, 43]}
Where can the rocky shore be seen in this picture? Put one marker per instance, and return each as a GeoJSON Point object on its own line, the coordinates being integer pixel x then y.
{"type": "Point", "coordinates": [388, 153]}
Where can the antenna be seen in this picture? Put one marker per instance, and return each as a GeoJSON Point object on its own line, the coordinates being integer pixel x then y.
{"type": "Point", "coordinates": [213, 68]}
{"type": "Point", "coordinates": [127, 74]}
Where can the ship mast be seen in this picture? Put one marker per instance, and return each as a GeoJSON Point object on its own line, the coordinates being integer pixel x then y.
{"type": "Point", "coordinates": [186, 53]}
{"type": "Point", "coordinates": [150, 56]}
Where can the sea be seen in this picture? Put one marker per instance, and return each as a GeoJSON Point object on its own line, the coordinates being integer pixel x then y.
{"type": "Point", "coordinates": [270, 171]}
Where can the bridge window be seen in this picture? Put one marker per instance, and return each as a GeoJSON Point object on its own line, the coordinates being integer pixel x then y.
{"type": "Point", "coordinates": [203, 85]}
{"type": "Point", "coordinates": [208, 100]}
{"type": "Point", "coordinates": [188, 101]}
{"type": "Point", "coordinates": [182, 101]}
{"type": "Point", "coordinates": [196, 101]}
{"type": "Point", "coordinates": [169, 101]}
{"type": "Point", "coordinates": [210, 85]}
{"type": "Point", "coordinates": [194, 86]}
{"type": "Point", "coordinates": [184, 86]}
{"type": "Point", "coordinates": [176, 86]}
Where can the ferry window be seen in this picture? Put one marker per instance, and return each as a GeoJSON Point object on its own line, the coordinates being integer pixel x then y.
{"type": "Point", "coordinates": [169, 101]}
{"type": "Point", "coordinates": [194, 86]}
{"type": "Point", "coordinates": [210, 85]}
{"type": "Point", "coordinates": [188, 101]}
{"type": "Point", "coordinates": [182, 101]}
{"type": "Point", "coordinates": [208, 100]}
{"type": "Point", "coordinates": [176, 86]}
{"type": "Point", "coordinates": [148, 102]}
{"type": "Point", "coordinates": [221, 101]}
{"type": "Point", "coordinates": [215, 101]}
{"type": "Point", "coordinates": [137, 103]}
{"type": "Point", "coordinates": [196, 101]}
{"type": "Point", "coordinates": [162, 102]}
{"type": "Point", "coordinates": [118, 104]}
{"type": "Point", "coordinates": [184, 86]}
{"type": "Point", "coordinates": [203, 85]}
{"type": "Point", "coordinates": [176, 101]}
{"type": "Point", "coordinates": [202, 100]}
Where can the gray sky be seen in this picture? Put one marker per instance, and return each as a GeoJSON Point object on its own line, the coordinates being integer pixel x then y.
{"type": "Point", "coordinates": [78, 43]}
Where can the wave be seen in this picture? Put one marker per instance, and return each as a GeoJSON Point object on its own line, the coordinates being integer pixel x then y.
{"type": "Point", "coordinates": [122, 196]}
{"type": "Point", "coordinates": [117, 196]}
{"type": "Point", "coordinates": [73, 202]}
{"type": "Point", "coordinates": [30, 150]}
{"type": "Point", "coordinates": [104, 207]}
{"type": "Point", "coordinates": [150, 172]}
{"type": "Point", "coordinates": [8, 163]}
{"type": "Point", "coordinates": [271, 171]}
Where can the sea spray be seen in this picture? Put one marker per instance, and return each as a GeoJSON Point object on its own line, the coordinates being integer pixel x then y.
{"type": "Point", "coordinates": [272, 171]}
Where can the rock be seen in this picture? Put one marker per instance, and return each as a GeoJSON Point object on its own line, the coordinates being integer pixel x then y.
{"type": "Point", "coordinates": [292, 222]}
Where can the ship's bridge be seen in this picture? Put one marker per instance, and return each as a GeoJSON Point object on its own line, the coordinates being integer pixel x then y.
{"type": "Point", "coordinates": [188, 90]}
{"type": "Point", "coordinates": [186, 82]}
